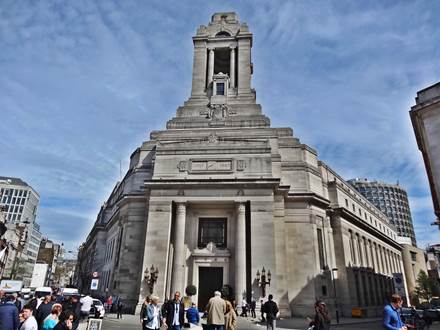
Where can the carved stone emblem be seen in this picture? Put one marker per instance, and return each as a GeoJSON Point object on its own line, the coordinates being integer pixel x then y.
{"type": "Point", "coordinates": [212, 138]}
{"type": "Point", "coordinates": [182, 166]}
{"type": "Point", "coordinates": [217, 111]}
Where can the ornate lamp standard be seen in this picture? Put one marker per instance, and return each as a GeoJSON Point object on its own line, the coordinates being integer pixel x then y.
{"type": "Point", "coordinates": [334, 272]}
{"type": "Point", "coordinates": [150, 276]}
{"type": "Point", "coordinates": [262, 282]}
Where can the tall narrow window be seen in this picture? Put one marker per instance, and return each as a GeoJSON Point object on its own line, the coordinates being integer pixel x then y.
{"type": "Point", "coordinates": [212, 230]}
{"type": "Point", "coordinates": [220, 89]}
{"type": "Point", "coordinates": [320, 248]}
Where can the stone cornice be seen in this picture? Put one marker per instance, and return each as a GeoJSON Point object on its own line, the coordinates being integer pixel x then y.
{"type": "Point", "coordinates": [212, 183]}
{"type": "Point", "coordinates": [342, 212]}
{"type": "Point", "coordinates": [312, 198]}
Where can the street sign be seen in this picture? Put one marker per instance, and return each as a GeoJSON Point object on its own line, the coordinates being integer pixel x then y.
{"type": "Point", "coordinates": [94, 324]}
{"type": "Point", "coordinates": [95, 274]}
{"type": "Point", "coordinates": [94, 284]}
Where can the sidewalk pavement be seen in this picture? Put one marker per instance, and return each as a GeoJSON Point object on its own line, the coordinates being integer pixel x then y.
{"type": "Point", "coordinates": [302, 323]}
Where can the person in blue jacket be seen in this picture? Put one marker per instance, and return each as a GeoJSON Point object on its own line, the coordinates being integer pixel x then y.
{"type": "Point", "coordinates": [391, 314]}
{"type": "Point", "coordinates": [9, 314]}
{"type": "Point", "coordinates": [192, 314]}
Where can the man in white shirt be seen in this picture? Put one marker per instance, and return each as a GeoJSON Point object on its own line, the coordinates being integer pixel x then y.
{"type": "Point", "coordinates": [30, 322]}
{"type": "Point", "coordinates": [86, 305]}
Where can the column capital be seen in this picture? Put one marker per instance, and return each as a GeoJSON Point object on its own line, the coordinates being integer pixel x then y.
{"type": "Point", "coordinates": [232, 47]}
{"type": "Point", "coordinates": [241, 207]}
{"type": "Point", "coordinates": [181, 207]}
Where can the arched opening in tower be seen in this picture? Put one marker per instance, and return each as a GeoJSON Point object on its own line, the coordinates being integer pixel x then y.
{"type": "Point", "coordinates": [222, 60]}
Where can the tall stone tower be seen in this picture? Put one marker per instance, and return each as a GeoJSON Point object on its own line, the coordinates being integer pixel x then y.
{"type": "Point", "coordinates": [220, 199]}
{"type": "Point", "coordinates": [221, 94]}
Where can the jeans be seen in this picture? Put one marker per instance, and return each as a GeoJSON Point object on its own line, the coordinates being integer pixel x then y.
{"type": "Point", "coordinates": [176, 327]}
{"type": "Point", "coordinates": [271, 324]}
{"type": "Point", "coordinates": [216, 327]}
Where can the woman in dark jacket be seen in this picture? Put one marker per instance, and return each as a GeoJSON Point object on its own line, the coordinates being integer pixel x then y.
{"type": "Point", "coordinates": [65, 321]}
{"type": "Point", "coordinates": [144, 310]}
{"type": "Point", "coordinates": [322, 317]}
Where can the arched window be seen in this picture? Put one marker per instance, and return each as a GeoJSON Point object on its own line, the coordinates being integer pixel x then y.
{"type": "Point", "coordinates": [223, 34]}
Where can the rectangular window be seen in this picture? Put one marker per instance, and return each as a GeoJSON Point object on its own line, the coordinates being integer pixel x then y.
{"type": "Point", "coordinates": [346, 202]}
{"type": "Point", "coordinates": [220, 89]}
{"type": "Point", "coordinates": [321, 248]}
{"type": "Point", "coordinates": [212, 230]}
{"type": "Point", "coordinates": [413, 256]}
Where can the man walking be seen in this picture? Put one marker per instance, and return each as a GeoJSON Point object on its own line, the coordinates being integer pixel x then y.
{"type": "Point", "coordinates": [44, 310]}
{"type": "Point", "coordinates": [174, 312]}
{"type": "Point", "coordinates": [270, 308]}
{"type": "Point", "coordinates": [9, 315]}
{"type": "Point", "coordinates": [86, 305]}
{"type": "Point", "coordinates": [391, 314]}
{"type": "Point", "coordinates": [30, 323]}
{"type": "Point", "coordinates": [216, 309]}
{"type": "Point", "coordinates": [252, 306]}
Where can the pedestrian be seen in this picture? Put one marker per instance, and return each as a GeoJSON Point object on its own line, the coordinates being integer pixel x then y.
{"type": "Point", "coordinates": [86, 305]}
{"type": "Point", "coordinates": [109, 304]}
{"type": "Point", "coordinates": [18, 301]}
{"type": "Point", "coordinates": [143, 310]}
{"type": "Point", "coordinates": [65, 321]}
{"type": "Point", "coordinates": [243, 308]}
{"type": "Point", "coordinates": [74, 306]}
{"type": "Point", "coordinates": [44, 310]}
{"type": "Point", "coordinates": [53, 318]}
{"type": "Point", "coordinates": [391, 314]}
{"type": "Point", "coordinates": [270, 308]}
{"type": "Point", "coordinates": [216, 309]}
{"type": "Point", "coordinates": [192, 314]}
{"type": "Point", "coordinates": [252, 307]}
{"type": "Point", "coordinates": [9, 315]}
{"type": "Point", "coordinates": [322, 317]}
{"type": "Point", "coordinates": [261, 311]}
{"type": "Point", "coordinates": [2, 297]}
{"type": "Point", "coordinates": [30, 323]}
{"type": "Point", "coordinates": [152, 317]}
{"type": "Point", "coordinates": [174, 312]}
{"type": "Point", "coordinates": [230, 317]}
{"type": "Point", "coordinates": [119, 307]}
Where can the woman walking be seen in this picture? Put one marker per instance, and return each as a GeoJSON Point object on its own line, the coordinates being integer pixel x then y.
{"type": "Point", "coordinates": [53, 318]}
{"type": "Point", "coordinates": [322, 317]}
{"type": "Point", "coordinates": [144, 310]}
{"type": "Point", "coordinates": [230, 317]}
{"type": "Point", "coordinates": [153, 317]}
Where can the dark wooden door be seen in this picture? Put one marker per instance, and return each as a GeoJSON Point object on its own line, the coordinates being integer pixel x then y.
{"type": "Point", "coordinates": [210, 280]}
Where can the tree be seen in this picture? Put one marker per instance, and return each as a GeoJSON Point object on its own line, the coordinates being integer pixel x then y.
{"type": "Point", "coordinates": [426, 286]}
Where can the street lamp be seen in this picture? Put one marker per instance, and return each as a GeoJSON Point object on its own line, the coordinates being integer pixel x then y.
{"type": "Point", "coordinates": [334, 290]}
{"type": "Point", "coordinates": [262, 282]}
{"type": "Point", "coordinates": [150, 276]}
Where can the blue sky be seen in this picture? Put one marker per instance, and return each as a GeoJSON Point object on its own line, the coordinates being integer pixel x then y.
{"type": "Point", "coordinates": [83, 83]}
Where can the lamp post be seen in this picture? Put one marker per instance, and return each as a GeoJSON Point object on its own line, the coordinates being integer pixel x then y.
{"type": "Point", "coordinates": [334, 290]}
{"type": "Point", "coordinates": [262, 282]}
{"type": "Point", "coordinates": [150, 276]}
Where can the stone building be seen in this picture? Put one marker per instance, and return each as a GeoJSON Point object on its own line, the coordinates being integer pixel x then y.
{"type": "Point", "coordinates": [220, 194]}
{"type": "Point", "coordinates": [20, 202]}
{"type": "Point", "coordinates": [425, 117]}
{"type": "Point", "coordinates": [392, 200]}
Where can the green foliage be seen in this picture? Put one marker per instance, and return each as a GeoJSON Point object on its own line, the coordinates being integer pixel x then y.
{"type": "Point", "coordinates": [426, 287]}
{"type": "Point", "coordinates": [191, 290]}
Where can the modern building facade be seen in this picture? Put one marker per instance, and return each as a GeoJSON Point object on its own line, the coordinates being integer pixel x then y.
{"type": "Point", "coordinates": [425, 117]}
{"type": "Point", "coordinates": [20, 202]}
{"type": "Point", "coordinates": [392, 200]}
{"type": "Point", "coordinates": [220, 194]}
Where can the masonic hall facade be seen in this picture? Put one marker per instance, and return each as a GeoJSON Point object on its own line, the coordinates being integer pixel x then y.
{"type": "Point", "coordinates": [220, 194]}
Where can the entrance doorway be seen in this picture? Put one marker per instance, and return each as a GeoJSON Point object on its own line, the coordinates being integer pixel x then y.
{"type": "Point", "coordinates": [210, 280]}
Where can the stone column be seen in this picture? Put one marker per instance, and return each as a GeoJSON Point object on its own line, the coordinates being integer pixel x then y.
{"type": "Point", "coordinates": [199, 69]}
{"type": "Point", "coordinates": [232, 68]}
{"type": "Point", "coordinates": [240, 253]}
{"type": "Point", "coordinates": [178, 271]}
{"type": "Point", "coordinates": [211, 65]}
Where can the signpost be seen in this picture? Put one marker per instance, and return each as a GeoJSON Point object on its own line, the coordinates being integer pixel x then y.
{"type": "Point", "coordinates": [94, 284]}
{"type": "Point", "coordinates": [94, 324]}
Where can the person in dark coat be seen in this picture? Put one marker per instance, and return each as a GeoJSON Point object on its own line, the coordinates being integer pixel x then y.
{"type": "Point", "coordinates": [322, 317]}
{"type": "Point", "coordinates": [270, 308]}
{"type": "Point", "coordinates": [174, 313]}
{"type": "Point", "coordinates": [65, 321]}
{"type": "Point", "coordinates": [44, 311]}
{"type": "Point", "coordinates": [73, 306]}
{"type": "Point", "coordinates": [119, 306]}
{"type": "Point", "coordinates": [9, 315]}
